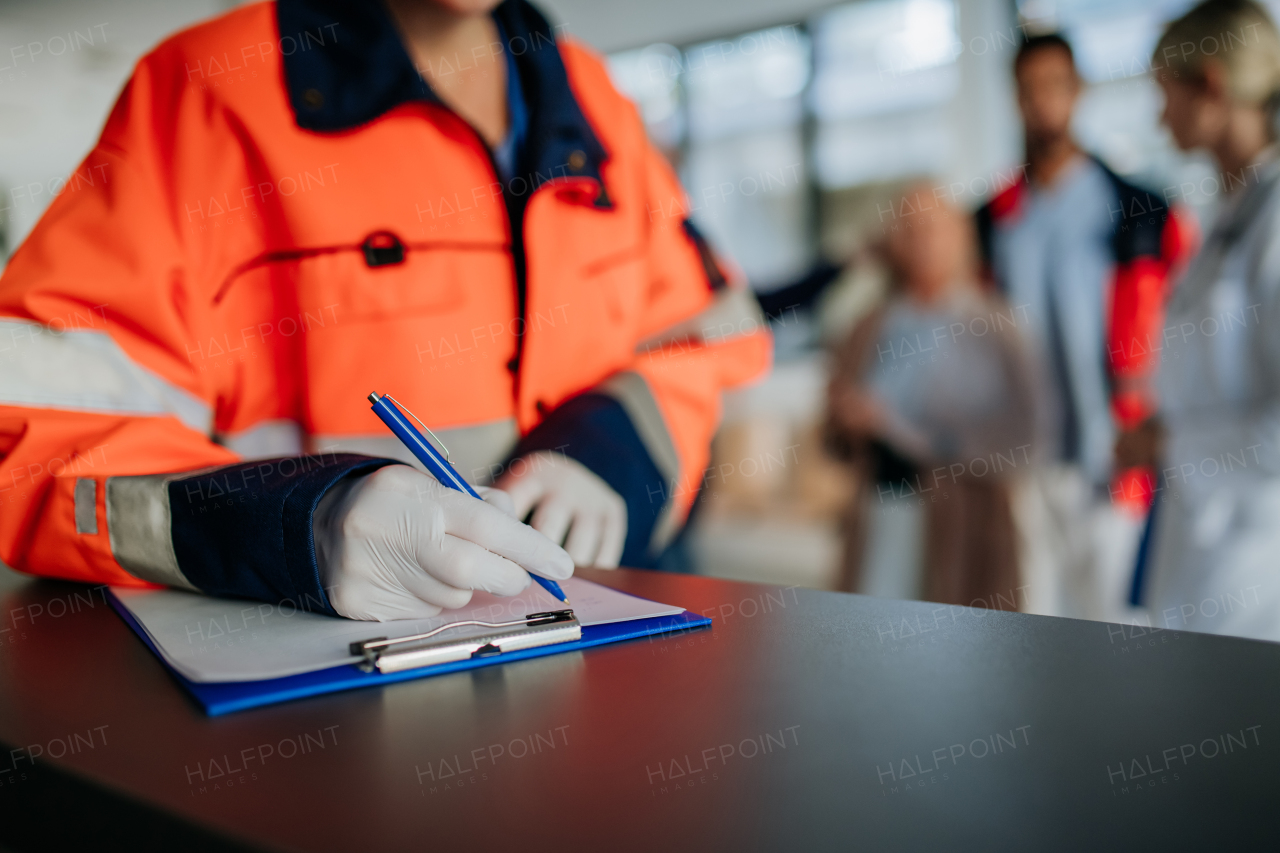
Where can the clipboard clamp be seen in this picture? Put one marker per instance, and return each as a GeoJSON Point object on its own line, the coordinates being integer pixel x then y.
{"type": "Point", "coordinates": [535, 629]}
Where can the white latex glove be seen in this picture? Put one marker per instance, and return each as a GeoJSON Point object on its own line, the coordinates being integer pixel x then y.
{"type": "Point", "coordinates": [574, 507]}
{"type": "Point", "coordinates": [395, 544]}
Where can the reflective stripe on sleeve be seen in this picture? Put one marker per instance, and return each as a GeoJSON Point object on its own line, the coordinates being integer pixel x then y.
{"type": "Point", "coordinates": [634, 395]}
{"type": "Point", "coordinates": [140, 528]}
{"type": "Point", "coordinates": [267, 440]}
{"type": "Point", "coordinates": [86, 370]}
{"type": "Point", "coordinates": [86, 506]}
{"type": "Point", "coordinates": [632, 391]}
{"type": "Point", "coordinates": [733, 313]}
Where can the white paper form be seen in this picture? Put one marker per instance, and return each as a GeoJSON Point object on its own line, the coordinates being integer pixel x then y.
{"type": "Point", "coordinates": [220, 639]}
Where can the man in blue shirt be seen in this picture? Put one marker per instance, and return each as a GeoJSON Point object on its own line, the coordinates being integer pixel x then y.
{"type": "Point", "coordinates": [1073, 248]}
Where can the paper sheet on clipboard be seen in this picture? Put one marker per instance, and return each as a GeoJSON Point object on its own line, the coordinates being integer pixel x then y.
{"type": "Point", "coordinates": [217, 639]}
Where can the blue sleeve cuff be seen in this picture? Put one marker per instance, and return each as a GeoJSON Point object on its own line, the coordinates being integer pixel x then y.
{"type": "Point", "coordinates": [244, 530]}
{"type": "Point", "coordinates": [594, 429]}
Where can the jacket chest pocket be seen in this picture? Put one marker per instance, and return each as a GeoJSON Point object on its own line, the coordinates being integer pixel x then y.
{"type": "Point", "coordinates": [424, 280]}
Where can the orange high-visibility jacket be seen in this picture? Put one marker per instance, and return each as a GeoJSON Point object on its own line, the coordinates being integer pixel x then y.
{"type": "Point", "coordinates": [279, 218]}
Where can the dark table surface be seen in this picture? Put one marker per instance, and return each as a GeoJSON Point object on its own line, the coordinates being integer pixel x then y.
{"type": "Point", "coordinates": [801, 720]}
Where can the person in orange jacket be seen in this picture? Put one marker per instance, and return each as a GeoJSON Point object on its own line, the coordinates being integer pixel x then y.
{"type": "Point", "coordinates": [304, 201]}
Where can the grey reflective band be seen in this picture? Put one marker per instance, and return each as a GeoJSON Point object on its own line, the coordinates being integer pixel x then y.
{"type": "Point", "coordinates": [477, 452]}
{"type": "Point", "coordinates": [87, 370]}
{"type": "Point", "coordinates": [86, 500]}
{"type": "Point", "coordinates": [265, 440]}
{"type": "Point", "coordinates": [733, 313]}
{"type": "Point", "coordinates": [665, 528]}
{"type": "Point", "coordinates": [636, 398]}
{"type": "Point", "coordinates": [632, 391]}
{"type": "Point", "coordinates": [141, 530]}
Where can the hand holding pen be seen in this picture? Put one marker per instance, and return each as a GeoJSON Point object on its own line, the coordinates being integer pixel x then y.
{"type": "Point", "coordinates": [399, 544]}
{"type": "Point", "coordinates": [437, 464]}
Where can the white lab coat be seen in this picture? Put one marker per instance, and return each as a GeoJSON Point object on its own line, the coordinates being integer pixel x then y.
{"type": "Point", "coordinates": [1216, 547]}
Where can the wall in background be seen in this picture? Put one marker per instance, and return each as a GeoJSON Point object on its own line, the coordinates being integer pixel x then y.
{"type": "Point", "coordinates": [62, 64]}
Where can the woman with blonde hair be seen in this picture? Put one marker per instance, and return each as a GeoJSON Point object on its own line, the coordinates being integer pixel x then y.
{"type": "Point", "coordinates": [1215, 535]}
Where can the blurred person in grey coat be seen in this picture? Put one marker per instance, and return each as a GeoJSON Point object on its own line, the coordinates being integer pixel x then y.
{"type": "Point", "coordinates": [932, 403]}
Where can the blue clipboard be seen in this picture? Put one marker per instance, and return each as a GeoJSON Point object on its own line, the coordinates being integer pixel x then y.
{"type": "Point", "coordinates": [224, 697]}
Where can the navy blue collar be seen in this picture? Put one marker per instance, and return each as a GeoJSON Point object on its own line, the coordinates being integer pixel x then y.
{"type": "Point", "coordinates": [348, 65]}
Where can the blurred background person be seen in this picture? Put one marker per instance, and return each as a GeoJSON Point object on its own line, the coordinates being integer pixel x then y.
{"type": "Point", "coordinates": [931, 400]}
{"type": "Point", "coordinates": [1216, 523]}
{"type": "Point", "coordinates": [1083, 255]}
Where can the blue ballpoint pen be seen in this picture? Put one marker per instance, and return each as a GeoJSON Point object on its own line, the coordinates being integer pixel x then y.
{"type": "Point", "coordinates": [384, 407]}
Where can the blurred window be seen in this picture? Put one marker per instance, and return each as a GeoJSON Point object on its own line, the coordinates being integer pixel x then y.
{"type": "Point", "coordinates": [651, 78]}
{"type": "Point", "coordinates": [744, 160]}
{"type": "Point", "coordinates": [760, 123]}
{"type": "Point", "coordinates": [884, 56]}
{"type": "Point", "coordinates": [751, 83]}
{"type": "Point", "coordinates": [885, 74]}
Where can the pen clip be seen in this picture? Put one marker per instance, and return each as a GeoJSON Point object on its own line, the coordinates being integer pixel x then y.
{"type": "Point", "coordinates": [421, 424]}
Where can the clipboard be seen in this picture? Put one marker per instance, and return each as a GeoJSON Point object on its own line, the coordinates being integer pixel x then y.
{"type": "Point", "coordinates": [537, 635]}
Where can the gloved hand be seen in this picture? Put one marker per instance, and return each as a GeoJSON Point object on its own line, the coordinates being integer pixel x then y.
{"type": "Point", "coordinates": [395, 544]}
{"type": "Point", "coordinates": [569, 499]}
